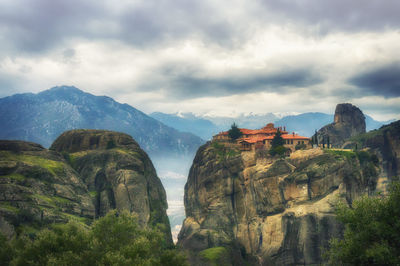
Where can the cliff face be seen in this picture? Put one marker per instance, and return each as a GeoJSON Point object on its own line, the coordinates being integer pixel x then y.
{"type": "Point", "coordinates": [38, 187]}
{"type": "Point", "coordinates": [385, 142]}
{"type": "Point", "coordinates": [85, 174]}
{"type": "Point", "coordinates": [268, 211]}
{"type": "Point", "coordinates": [349, 121]}
{"type": "Point", "coordinates": [117, 172]}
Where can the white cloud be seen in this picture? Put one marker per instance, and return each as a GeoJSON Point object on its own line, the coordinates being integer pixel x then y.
{"type": "Point", "coordinates": [237, 43]}
{"type": "Point", "coordinates": [172, 175]}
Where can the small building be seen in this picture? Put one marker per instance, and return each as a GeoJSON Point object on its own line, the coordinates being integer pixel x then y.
{"type": "Point", "coordinates": [262, 138]}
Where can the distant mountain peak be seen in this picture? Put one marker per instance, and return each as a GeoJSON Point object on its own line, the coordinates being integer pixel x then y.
{"type": "Point", "coordinates": [44, 116]}
{"type": "Point", "coordinates": [62, 88]}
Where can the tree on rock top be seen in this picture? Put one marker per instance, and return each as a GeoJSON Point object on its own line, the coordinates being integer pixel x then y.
{"type": "Point", "coordinates": [277, 145]}
{"type": "Point", "coordinates": [234, 133]}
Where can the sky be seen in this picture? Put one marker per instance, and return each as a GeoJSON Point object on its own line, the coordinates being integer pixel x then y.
{"type": "Point", "coordinates": [208, 57]}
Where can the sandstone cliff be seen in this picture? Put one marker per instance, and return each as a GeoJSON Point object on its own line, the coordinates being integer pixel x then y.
{"type": "Point", "coordinates": [241, 209]}
{"type": "Point", "coordinates": [349, 121]}
{"type": "Point", "coordinates": [38, 187]}
{"type": "Point", "coordinates": [117, 172]}
{"type": "Point", "coordinates": [85, 174]}
{"type": "Point", "coordinates": [385, 142]}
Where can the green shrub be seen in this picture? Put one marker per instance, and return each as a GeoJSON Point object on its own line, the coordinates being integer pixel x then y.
{"type": "Point", "coordinates": [300, 146]}
{"type": "Point", "coordinates": [278, 150]}
{"type": "Point", "coordinates": [116, 239]}
{"type": "Point", "coordinates": [372, 234]}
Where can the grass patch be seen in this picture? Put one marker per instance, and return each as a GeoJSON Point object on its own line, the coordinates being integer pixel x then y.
{"type": "Point", "coordinates": [53, 201]}
{"type": "Point", "coordinates": [82, 220]}
{"type": "Point", "coordinates": [75, 156]}
{"type": "Point", "coordinates": [8, 207]}
{"type": "Point", "coordinates": [362, 138]}
{"type": "Point", "coordinates": [43, 198]}
{"type": "Point", "coordinates": [17, 177]}
{"type": "Point", "coordinates": [54, 167]}
{"type": "Point", "coordinates": [213, 255]}
{"type": "Point", "coordinates": [348, 154]}
{"type": "Point", "coordinates": [60, 200]}
{"type": "Point", "coordinates": [93, 194]}
{"type": "Point", "coordinates": [223, 152]}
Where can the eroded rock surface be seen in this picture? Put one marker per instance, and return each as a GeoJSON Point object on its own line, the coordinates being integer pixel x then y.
{"type": "Point", "coordinates": [269, 211]}
{"type": "Point", "coordinates": [349, 121]}
{"type": "Point", "coordinates": [85, 174]}
{"type": "Point", "coordinates": [118, 174]}
{"type": "Point", "coordinates": [38, 187]}
{"type": "Point", "coordinates": [385, 143]}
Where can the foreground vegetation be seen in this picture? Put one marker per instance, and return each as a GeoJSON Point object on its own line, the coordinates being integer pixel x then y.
{"type": "Point", "coordinates": [115, 239]}
{"type": "Point", "coordinates": [372, 234]}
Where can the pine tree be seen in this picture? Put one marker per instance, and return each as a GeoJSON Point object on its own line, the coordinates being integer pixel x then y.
{"type": "Point", "coordinates": [234, 133]}
{"type": "Point", "coordinates": [316, 137]}
{"type": "Point", "coordinates": [277, 140]}
{"type": "Point", "coordinates": [277, 145]}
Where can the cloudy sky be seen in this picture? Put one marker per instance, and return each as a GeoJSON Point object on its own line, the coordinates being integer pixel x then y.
{"type": "Point", "coordinates": [207, 56]}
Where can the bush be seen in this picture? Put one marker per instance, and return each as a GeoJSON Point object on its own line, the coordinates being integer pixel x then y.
{"type": "Point", "coordinates": [372, 231]}
{"type": "Point", "coordinates": [300, 146]}
{"type": "Point", "coordinates": [278, 150]}
{"type": "Point", "coordinates": [115, 239]}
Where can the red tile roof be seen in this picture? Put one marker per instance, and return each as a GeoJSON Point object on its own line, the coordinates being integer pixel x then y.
{"type": "Point", "coordinates": [266, 133]}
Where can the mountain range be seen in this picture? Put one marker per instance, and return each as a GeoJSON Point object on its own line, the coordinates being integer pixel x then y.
{"type": "Point", "coordinates": [42, 117]}
{"type": "Point", "coordinates": [206, 126]}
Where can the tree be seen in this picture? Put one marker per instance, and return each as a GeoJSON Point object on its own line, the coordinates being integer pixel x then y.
{"type": "Point", "coordinates": [316, 137]}
{"type": "Point", "coordinates": [372, 231]}
{"type": "Point", "coordinates": [234, 133]}
{"type": "Point", "coordinates": [116, 239]}
{"type": "Point", "coordinates": [328, 142]}
{"type": "Point", "coordinates": [277, 143]}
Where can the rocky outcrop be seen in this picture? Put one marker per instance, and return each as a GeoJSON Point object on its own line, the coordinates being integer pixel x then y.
{"type": "Point", "coordinates": [118, 174]}
{"type": "Point", "coordinates": [85, 174]}
{"type": "Point", "coordinates": [37, 187]}
{"type": "Point", "coordinates": [269, 211]}
{"type": "Point", "coordinates": [385, 142]}
{"type": "Point", "coordinates": [349, 121]}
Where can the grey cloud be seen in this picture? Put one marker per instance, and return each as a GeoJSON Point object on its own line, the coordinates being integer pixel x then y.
{"type": "Point", "coordinates": [345, 15]}
{"type": "Point", "coordinates": [382, 81]}
{"type": "Point", "coordinates": [188, 82]}
{"type": "Point", "coordinates": [36, 26]}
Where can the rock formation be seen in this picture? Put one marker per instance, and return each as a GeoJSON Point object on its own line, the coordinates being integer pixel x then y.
{"type": "Point", "coordinates": [385, 143]}
{"type": "Point", "coordinates": [117, 172]}
{"type": "Point", "coordinates": [266, 211]}
{"type": "Point", "coordinates": [85, 174]}
{"type": "Point", "coordinates": [349, 121]}
{"type": "Point", "coordinates": [38, 187]}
